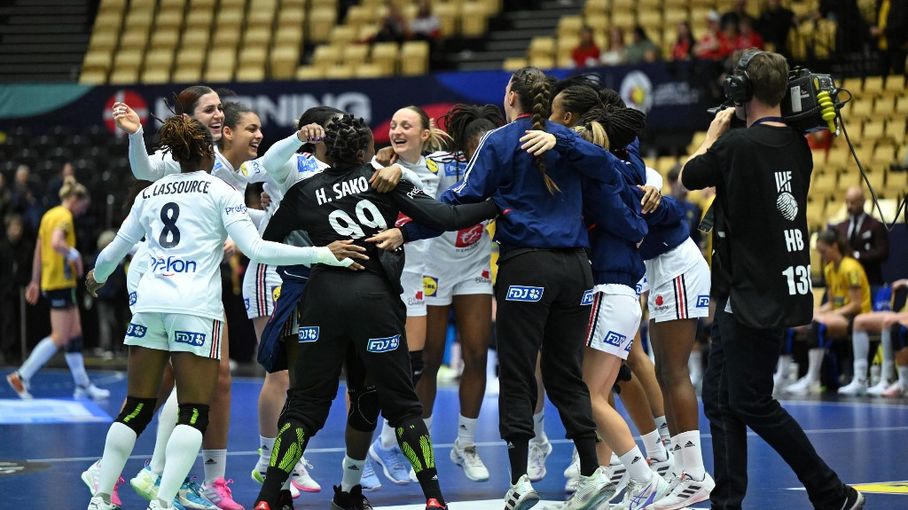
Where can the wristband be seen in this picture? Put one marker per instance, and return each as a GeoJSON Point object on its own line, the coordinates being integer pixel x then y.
{"type": "Point", "coordinates": [72, 255]}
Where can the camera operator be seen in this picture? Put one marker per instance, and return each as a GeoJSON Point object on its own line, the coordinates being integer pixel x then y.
{"type": "Point", "coordinates": [761, 280]}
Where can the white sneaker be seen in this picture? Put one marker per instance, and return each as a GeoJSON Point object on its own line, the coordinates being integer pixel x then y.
{"type": "Point", "coordinates": [572, 473]}
{"type": "Point", "coordinates": [539, 451]}
{"type": "Point", "coordinates": [641, 495]}
{"type": "Point", "coordinates": [99, 503]}
{"type": "Point", "coordinates": [261, 469]}
{"type": "Point", "coordinates": [468, 458]}
{"type": "Point", "coordinates": [521, 496]}
{"type": "Point", "coordinates": [662, 468]}
{"type": "Point", "coordinates": [157, 504]}
{"type": "Point", "coordinates": [91, 391]}
{"type": "Point", "coordinates": [804, 387]}
{"type": "Point", "coordinates": [618, 478]}
{"type": "Point", "coordinates": [855, 388]}
{"type": "Point", "coordinates": [145, 483]}
{"type": "Point", "coordinates": [591, 492]}
{"type": "Point", "coordinates": [686, 493]}
{"type": "Point", "coordinates": [877, 389]}
{"type": "Point", "coordinates": [895, 390]}
{"type": "Point", "coordinates": [301, 479]}
{"type": "Point", "coordinates": [19, 384]}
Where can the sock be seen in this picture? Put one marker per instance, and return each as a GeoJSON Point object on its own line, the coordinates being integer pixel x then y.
{"type": "Point", "coordinates": [539, 428]}
{"type": "Point", "coordinates": [182, 449]}
{"type": "Point", "coordinates": [662, 427]}
{"type": "Point", "coordinates": [41, 354]}
{"type": "Point", "coordinates": [886, 343]}
{"type": "Point", "coordinates": [678, 462]}
{"type": "Point", "coordinates": [266, 444]}
{"type": "Point", "coordinates": [652, 442]}
{"type": "Point", "coordinates": [167, 420]}
{"type": "Point", "coordinates": [903, 377]}
{"type": "Point", "coordinates": [117, 449]}
{"type": "Point", "coordinates": [637, 467]}
{"type": "Point", "coordinates": [690, 453]}
{"type": "Point", "coordinates": [353, 473]}
{"type": "Point", "coordinates": [289, 446]}
{"type": "Point", "coordinates": [466, 431]}
{"type": "Point", "coordinates": [428, 422]}
{"type": "Point", "coordinates": [814, 364]}
{"type": "Point", "coordinates": [416, 445]}
{"type": "Point", "coordinates": [861, 348]}
{"type": "Point", "coordinates": [518, 453]}
{"type": "Point", "coordinates": [586, 452]}
{"type": "Point", "coordinates": [215, 463]}
{"type": "Point", "coordinates": [388, 438]}
{"type": "Point", "coordinates": [77, 368]}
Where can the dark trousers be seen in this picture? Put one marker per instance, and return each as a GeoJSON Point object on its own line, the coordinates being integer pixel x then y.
{"type": "Point", "coordinates": [539, 295]}
{"type": "Point", "coordinates": [737, 394]}
{"type": "Point", "coordinates": [358, 311]}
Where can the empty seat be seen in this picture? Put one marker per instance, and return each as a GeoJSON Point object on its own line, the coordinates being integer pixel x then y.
{"type": "Point", "coordinates": [93, 77]}
{"type": "Point", "coordinates": [189, 74]}
{"type": "Point", "coordinates": [284, 62]}
{"type": "Point", "coordinates": [165, 38]}
{"type": "Point", "coordinates": [321, 21]}
{"type": "Point", "coordinates": [168, 19]}
{"type": "Point", "coordinates": [542, 47]}
{"type": "Point", "coordinates": [356, 54]}
{"type": "Point", "coordinates": [124, 76]}
{"type": "Point", "coordinates": [309, 73]}
{"type": "Point", "coordinates": [250, 73]}
{"type": "Point", "coordinates": [156, 76]}
{"type": "Point", "coordinates": [195, 38]}
{"type": "Point", "coordinates": [385, 55]}
{"type": "Point", "coordinates": [368, 70]}
{"type": "Point", "coordinates": [159, 59]}
{"type": "Point", "coordinates": [128, 58]}
{"type": "Point", "coordinates": [102, 40]}
{"type": "Point", "coordinates": [134, 39]}
{"type": "Point", "coordinates": [97, 60]}
{"type": "Point", "coordinates": [326, 56]}
{"type": "Point", "coordinates": [475, 21]}
{"type": "Point", "coordinates": [342, 35]}
{"type": "Point", "coordinates": [414, 58]}
{"type": "Point", "coordinates": [339, 72]}
{"type": "Point", "coordinates": [257, 36]}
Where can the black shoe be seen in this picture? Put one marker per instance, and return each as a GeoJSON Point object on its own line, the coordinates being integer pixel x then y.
{"type": "Point", "coordinates": [854, 500]}
{"type": "Point", "coordinates": [353, 500]}
{"type": "Point", "coordinates": [286, 501]}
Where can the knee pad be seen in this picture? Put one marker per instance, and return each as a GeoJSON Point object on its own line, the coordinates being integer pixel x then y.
{"type": "Point", "coordinates": [74, 345]}
{"type": "Point", "coordinates": [816, 336]}
{"type": "Point", "coordinates": [899, 336]}
{"type": "Point", "coordinates": [137, 413]}
{"type": "Point", "coordinates": [363, 413]}
{"type": "Point", "coordinates": [416, 365]}
{"type": "Point", "coordinates": [194, 415]}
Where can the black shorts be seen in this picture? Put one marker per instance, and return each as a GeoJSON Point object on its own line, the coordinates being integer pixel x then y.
{"type": "Point", "coordinates": [61, 299]}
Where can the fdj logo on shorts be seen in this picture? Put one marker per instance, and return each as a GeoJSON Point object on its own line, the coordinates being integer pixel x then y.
{"type": "Point", "coordinates": [702, 301]}
{"type": "Point", "coordinates": [135, 330]}
{"type": "Point", "coordinates": [524, 293]}
{"type": "Point", "coordinates": [189, 337]}
{"type": "Point", "coordinates": [307, 334]}
{"type": "Point", "coordinates": [615, 339]}
{"type": "Point", "coordinates": [378, 345]}
{"type": "Point", "coordinates": [587, 298]}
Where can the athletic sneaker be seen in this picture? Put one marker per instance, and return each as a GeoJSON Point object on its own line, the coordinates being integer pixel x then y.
{"type": "Point", "coordinates": [686, 493]}
{"type": "Point", "coordinates": [285, 503]}
{"type": "Point", "coordinates": [572, 473]}
{"type": "Point", "coordinates": [640, 495]}
{"type": "Point", "coordinates": [191, 495]}
{"type": "Point", "coordinates": [877, 389]}
{"type": "Point", "coordinates": [369, 481]}
{"type": "Point", "coordinates": [662, 468]}
{"type": "Point", "coordinates": [101, 503]}
{"type": "Point", "coordinates": [19, 385]}
{"type": "Point", "coordinates": [539, 451]}
{"type": "Point", "coordinates": [468, 459]}
{"type": "Point", "coordinates": [261, 469]}
{"type": "Point", "coordinates": [91, 392]}
{"type": "Point", "coordinates": [804, 387]}
{"type": "Point", "coordinates": [855, 388]}
{"type": "Point", "coordinates": [521, 495]}
{"type": "Point", "coordinates": [433, 504]}
{"type": "Point", "coordinates": [300, 478]}
{"type": "Point", "coordinates": [395, 466]}
{"type": "Point", "coordinates": [220, 495]}
{"type": "Point", "coordinates": [854, 500]}
{"type": "Point", "coordinates": [591, 492]}
{"type": "Point", "coordinates": [895, 390]}
{"type": "Point", "coordinates": [92, 477]}
{"type": "Point", "coordinates": [145, 483]}
{"type": "Point", "coordinates": [618, 478]}
{"type": "Point", "coordinates": [353, 500]}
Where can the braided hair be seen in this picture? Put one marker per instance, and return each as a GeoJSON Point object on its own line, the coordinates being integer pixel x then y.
{"type": "Point", "coordinates": [464, 122]}
{"type": "Point", "coordinates": [320, 115]}
{"type": "Point", "coordinates": [534, 92]}
{"type": "Point", "coordinates": [187, 140]}
{"type": "Point", "coordinates": [346, 137]}
{"type": "Point", "coordinates": [622, 125]}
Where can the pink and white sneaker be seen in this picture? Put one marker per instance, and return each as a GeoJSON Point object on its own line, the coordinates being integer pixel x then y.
{"type": "Point", "coordinates": [301, 479]}
{"type": "Point", "coordinates": [220, 494]}
{"type": "Point", "coordinates": [895, 390]}
{"type": "Point", "coordinates": [92, 477]}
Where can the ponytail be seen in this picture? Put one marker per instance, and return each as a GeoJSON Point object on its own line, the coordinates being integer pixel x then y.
{"type": "Point", "coordinates": [438, 138]}
{"type": "Point", "coordinates": [187, 140]}
{"type": "Point", "coordinates": [534, 91]}
{"type": "Point", "coordinates": [622, 125]}
{"type": "Point", "coordinates": [593, 132]}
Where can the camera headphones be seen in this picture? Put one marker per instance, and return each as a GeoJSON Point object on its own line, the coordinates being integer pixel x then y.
{"type": "Point", "coordinates": [738, 87]}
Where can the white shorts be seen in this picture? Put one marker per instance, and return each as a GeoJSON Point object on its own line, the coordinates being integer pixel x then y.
{"type": "Point", "coordinates": [467, 277]}
{"type": "Point", "coordinates": [679, 283]}
{"type": "Point", "coordinates": [261, 288]}
{"type": "Point", "coordinates": [614, 319]}
{"type": "Point", "coordinates": [414, 295]}
{"type": "Point", "coordinates": [176, 333]}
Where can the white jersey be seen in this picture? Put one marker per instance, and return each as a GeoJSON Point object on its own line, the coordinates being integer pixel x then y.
{"type": "Point", "coordinates": [464, 245]}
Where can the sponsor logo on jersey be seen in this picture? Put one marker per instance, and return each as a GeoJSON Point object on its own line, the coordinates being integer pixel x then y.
{"type": "Point", "coordinates": [189, 337]}
{"type": "Point", "coordinates": [383, 344]}
{"type": "Point", "coordinates": [614, 339]}
{"type": "Point", "coordinates": [587, 298]}
{"type": "Point", "coordinates": [305, 164]}
{"type": "Point", "coordinates": [430, 285]}
{"type": "Point", "coordinates": [455, 168]}
{"type": "Point", "coordinates": [132, 298]}
{"type": "Point", "coordinates": [235, 209]}
{"type": "Point", "coordinates": [275, 293]}
{"type": "Point", "coordinates": [468, 236]}
{"type": "Point", "coordinates": [136, 330]}
{"type": "Point", "coordinates": [785, 202]}
{"type": "Point", "coordinates": [660, 300]}
{"type": "Point", "coordinates": [246, 302]}
{"type": "Point", "coordinates": [702, 301]}
{"type": "Point", "coordinates": [524, 293]}
{"type": "Point", "coordinates": [172, 265]}
{"type": "Point", "coordinates": [308, 334]}
{"type": "Point", "coordinates": [415, 192]}
{"type": "Point", "coordinates": [432, 166]}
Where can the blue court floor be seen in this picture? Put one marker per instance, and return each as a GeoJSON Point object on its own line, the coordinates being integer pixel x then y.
{"type": "Point", "coordinates": [41, 458]}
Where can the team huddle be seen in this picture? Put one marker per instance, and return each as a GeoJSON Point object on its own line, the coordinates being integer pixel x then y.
{"type": "Point", "coordinates": [355, 261]}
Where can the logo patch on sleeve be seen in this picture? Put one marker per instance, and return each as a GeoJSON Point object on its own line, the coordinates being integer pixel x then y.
{"type": "Point", "coordinates": [379, 345]}
{"type": "Point", "coordinates": [587, 298]}
{"type": "Point", "coordinates": [308, 334]}
{"type": "Point", "coordinates": [132, 298]}
{"type": "Point", "coordinates": [189, 337]}
{"type": "Point", "coordinates": [136, 330]}
{"type": "Point", "coordinates": [524, 293]}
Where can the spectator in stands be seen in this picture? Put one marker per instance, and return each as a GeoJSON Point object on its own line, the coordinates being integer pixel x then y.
{"type": "Point", "coordinates": [53, 189]}
{"type": "Point", "coordinates": [642, 48]}
{"type": "Point", "coordinates": [774, 25]}
{"type": "Point", "coordinates": [15, 272]}
{"type": "Point", "coordinates": [748, 37]}
{"type": "Point", "coordinates": [6, 197]}
{"type": "Point", "coordinates": [26, 199]}
{"type": "Point", "coordinates": [714, 45]}
{"type": "Point", "coordinates": [615, 55]}
{"type": "Point", "coordinates": [112, 306]}
{"type": "Point", "coordinates": [586, 54]}
{"type": "Point", "coordinates": [851, 29]}
{"type": "Point", "coordinates": [889, 33]}
{"type": "Point", "coordinates": [683, 48]}
{"type": "Point", "coordinates": [736, 15]}
{"type": "Point", "coordinates": [691, 210]}
{"type": "Point", "coordinates": [867, 238]}
{"type": "Point", "coordinates": [393, 26]}
{"type": "Point", "coordinates": [425, 26]}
